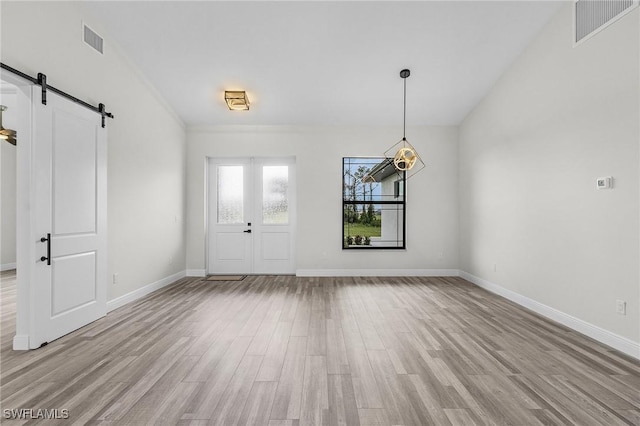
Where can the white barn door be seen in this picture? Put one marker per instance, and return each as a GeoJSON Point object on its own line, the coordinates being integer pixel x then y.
{"type": "Point", "coordinates": [70, 207]}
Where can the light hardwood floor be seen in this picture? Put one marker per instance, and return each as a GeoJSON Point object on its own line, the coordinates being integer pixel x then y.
{"type": "Point", "coordinates": [281, 350]}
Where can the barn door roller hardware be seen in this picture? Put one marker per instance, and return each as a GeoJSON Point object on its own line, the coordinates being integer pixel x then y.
{"type": "Point", "coordinates": [41, 81]}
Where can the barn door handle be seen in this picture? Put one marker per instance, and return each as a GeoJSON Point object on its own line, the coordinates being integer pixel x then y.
{"type": "Point", "coordinates": [47, 239]}
{"type": "Point", "coordinates": [248, 231]}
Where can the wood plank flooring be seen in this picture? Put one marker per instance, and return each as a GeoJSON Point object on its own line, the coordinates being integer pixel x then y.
{"type": "Point", "coordinates": [283, 350]}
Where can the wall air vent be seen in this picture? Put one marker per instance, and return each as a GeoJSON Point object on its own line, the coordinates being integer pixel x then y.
{"type": "Point", "coordinates": [92, 39]}
{"type": "Point", "coordinates": [592, 16]}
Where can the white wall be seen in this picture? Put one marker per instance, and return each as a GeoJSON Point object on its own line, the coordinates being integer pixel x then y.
{"type": "Point", "coordinates": [7, 189]}
{"type": "Point", "coordinates": [432, 202]}
{"type": "Point", "coordinates": [146, 141]}
{"type": "Point", "coordinates": [530, 154]}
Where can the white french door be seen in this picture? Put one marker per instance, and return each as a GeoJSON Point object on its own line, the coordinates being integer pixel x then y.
{"type": "Point", "coordinates": [274, 216]}
{"type": "Point", "coordinates": [70, 196]}
{"type": "Point", "coordinates": [251, 216]}
{"type": "Point", "coordinates": [230, 233]}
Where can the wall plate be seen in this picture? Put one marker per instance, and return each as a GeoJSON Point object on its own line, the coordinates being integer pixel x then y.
{"type": "Point", "coordinates": [604, 182]}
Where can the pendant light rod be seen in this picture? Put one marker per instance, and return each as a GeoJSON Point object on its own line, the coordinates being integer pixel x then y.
{"type": "Point", "coordinates": [404, 112]}
{"type": "Point", "coordinates": [404, 74]}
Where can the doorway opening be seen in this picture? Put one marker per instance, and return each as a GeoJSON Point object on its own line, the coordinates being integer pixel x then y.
{"type": "Point", "coordinates": [8, 212]}
{"type": "Point", "coordinates": [251, 216]}
{"type": "Point", "coordinates": [8, 188]}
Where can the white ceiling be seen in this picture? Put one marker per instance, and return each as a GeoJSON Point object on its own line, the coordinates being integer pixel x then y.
{"type": "Point", "coordinates": [322, 63]}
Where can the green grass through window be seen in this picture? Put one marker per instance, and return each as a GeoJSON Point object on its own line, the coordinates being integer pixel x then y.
{"type": "Point", "coordinates": [354, 229]}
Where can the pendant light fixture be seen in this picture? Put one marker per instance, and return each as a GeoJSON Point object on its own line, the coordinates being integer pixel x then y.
{"type": "Point", "coordinates": [404, 155]}
{"type": "Point", "coordinates": [6, 134]}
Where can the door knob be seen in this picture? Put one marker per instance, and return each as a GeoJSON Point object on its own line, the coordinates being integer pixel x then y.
{"type": "Point", "coordinates": [248, 231]}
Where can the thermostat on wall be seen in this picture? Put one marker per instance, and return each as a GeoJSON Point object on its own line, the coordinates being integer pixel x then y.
{"type": "Point", "coordinates": [604, 182]}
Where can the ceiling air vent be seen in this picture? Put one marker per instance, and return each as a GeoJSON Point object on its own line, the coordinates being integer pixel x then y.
{"type": "Point", "coordinates": [592, 16]}
{"type": "Point", "coordinates": [92, 39]}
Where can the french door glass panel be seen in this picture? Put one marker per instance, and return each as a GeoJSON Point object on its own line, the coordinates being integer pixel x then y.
{"type": "Point", "coordinates": [275, 198]}
{"type": "Point", "coordinates": [230, 194]}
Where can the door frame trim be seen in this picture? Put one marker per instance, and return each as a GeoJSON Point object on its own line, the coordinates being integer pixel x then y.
{"type": "Point", "coordinates": [25, 249]}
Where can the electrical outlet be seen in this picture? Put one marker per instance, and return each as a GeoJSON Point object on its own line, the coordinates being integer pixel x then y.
{"type": "Point", "coordinates": [621, 307]}
{"type": "Point", "coordinates": [115, 278]}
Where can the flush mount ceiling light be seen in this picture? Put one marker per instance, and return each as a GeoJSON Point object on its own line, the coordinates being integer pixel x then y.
{"type": "Point", "coordinates": [237, 100]}
{"type": "Point", "coordinates": [6, 134]}
{"type": "Point", "coordinates": [404, 155]}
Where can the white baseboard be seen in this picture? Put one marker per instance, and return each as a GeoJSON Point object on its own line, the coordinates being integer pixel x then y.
{"type": "Point", "coordinates": [613, 340]}
{"type": "Point", "coordinates": [143, 291]}
{"type": "Point", "coordinates": [377, 272]}
{"type": "Point", "coordinates": [7, 266]}
{"type": "Point", "coordinates": [21, 342]}
{"type": "Point", "coordinates": [196, 273]}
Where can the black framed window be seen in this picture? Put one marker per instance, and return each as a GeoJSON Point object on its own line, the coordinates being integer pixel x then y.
{"type": "Point", "coordinates": [373, 204]}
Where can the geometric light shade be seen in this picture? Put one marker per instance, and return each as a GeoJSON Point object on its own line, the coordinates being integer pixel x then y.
{"type": "Point", "coordinates": [236, 100]}
{"type": "Point", "coordinates": [405, 158]}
